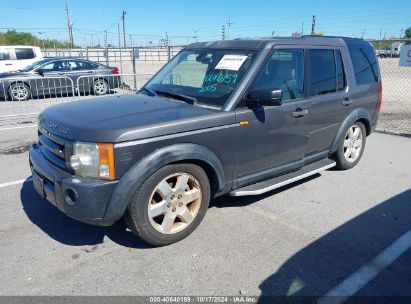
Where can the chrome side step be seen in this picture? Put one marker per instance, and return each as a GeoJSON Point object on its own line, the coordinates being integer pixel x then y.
{"type": "Point", "coordinates": [280, 181]}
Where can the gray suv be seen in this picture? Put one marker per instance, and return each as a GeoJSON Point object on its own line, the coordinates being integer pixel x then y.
{"type": "Point", "coordinates": [238, 117]}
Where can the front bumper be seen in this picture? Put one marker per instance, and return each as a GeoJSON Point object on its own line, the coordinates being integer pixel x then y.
{"type": "Point", "coordinates": [84, 199]}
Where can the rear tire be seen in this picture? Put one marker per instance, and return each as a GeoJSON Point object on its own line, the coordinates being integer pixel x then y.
{"type": "Point", "coordinates": [169, 205]}
{"type": "Point", "coordinates": [351, 147]}
{"type": "Point", "coordinates": [100, 87]}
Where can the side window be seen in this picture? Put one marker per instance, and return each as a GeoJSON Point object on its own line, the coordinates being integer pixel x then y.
{"type": "Point", "coordinates": [284, 71]}
{"type": "Point", "coordinates": [24, 53]}
{"type": "Point", "coordinates": [322, 73]}
{"type": "Point", "coordinates": [364, 61]}
{"type": "Point", "coordinates": [80, 65]}
{"type": "Point", "coordinates": [4, 55]}
{"type": "Point", "coordinates": [54, 66]}
{"type": "Point", "coordinates": [341, 80]}
{"type": "Point", "coordinates": [72, 65]}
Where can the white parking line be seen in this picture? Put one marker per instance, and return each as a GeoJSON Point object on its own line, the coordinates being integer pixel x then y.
{"type": "Point", "coordinates": [21, 127]}
{"type": "Point", "coordinates": [365, 274]}
{"type": "Point", "coordinates": [16, 182]}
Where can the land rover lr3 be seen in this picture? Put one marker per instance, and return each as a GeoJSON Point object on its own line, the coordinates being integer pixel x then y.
{"type": "Point", "coordinates": [238, 117]}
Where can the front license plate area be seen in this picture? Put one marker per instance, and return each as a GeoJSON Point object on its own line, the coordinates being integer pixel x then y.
{"type": "Point", "coordinates": [38, 183]}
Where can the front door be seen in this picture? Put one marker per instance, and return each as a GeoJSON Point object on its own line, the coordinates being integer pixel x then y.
{"type": "Point", "coordinates": [53, 81]}
{"type": "Point", "coordinates": [273, 139]}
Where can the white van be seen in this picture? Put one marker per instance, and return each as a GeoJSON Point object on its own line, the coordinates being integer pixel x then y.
{"type": "Point", "coordinates": [15, 57]}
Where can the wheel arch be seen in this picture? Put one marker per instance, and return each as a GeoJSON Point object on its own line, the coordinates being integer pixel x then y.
{"type": "Point", "coordinates": [360, 115]}
{"type": "Point", "coordinates": [27, 83]}
{"type": "Point", "coordinates": [140, 171]}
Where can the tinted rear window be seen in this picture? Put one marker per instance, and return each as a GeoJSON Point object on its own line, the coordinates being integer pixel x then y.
{"type": "Point", "coordinates": [24, 54]}
{"type": "Point", "coordinates": [364, 61]}
{"type": "Point", "coordinates": [322, 72]}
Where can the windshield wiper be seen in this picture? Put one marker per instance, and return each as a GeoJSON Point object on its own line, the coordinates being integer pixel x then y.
{"type": "Point", "coordinates": [182, 97]}
{"type": "Point", "coordinates": [150, 92]}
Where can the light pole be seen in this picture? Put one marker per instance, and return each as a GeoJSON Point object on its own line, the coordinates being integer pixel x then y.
{"type": "Point", "coordinates": [42, 40]}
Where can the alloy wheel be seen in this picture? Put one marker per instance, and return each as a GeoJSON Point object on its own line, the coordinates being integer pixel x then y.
{"type": "Point", "coordinates": [174, 203]}
{"type": "Point", "coordinates": [19, 92]}
{"type": "Point", "coordinates": [100, 87]}
{"type": "Point", "coordinates": [353, 143]}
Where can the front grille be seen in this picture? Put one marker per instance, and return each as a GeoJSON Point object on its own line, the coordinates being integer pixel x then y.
{"type": "Point", "coordinates": [55, 149]}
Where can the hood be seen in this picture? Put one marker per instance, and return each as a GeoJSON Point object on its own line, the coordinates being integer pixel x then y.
{"type": "Point", "coordinates": [14, 74]}
{"type": "Point", "coordinates": [124, 118]}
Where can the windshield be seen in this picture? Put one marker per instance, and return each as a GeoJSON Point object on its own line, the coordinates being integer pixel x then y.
{"type": "Point", "coordinates": [208, 76]}
{"type": "Point", "coordinates": [34, 65]}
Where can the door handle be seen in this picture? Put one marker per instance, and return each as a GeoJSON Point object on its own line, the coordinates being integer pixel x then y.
{"type": "Point", "coordinates": [299, 113]}
{"type": "Point", "coordinates": [347, 101]}
{"type": "Point", "coordinates": [90, 72]}
{"type": "Point", "coordinates": [9, 64]}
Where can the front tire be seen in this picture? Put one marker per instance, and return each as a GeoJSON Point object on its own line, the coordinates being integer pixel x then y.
{"type": "Point", "coordinates": [169, 205]}
{"type": "Point", "coordinates": [19, 91]}
{"type": "Point", "coordinates": [351, 147]}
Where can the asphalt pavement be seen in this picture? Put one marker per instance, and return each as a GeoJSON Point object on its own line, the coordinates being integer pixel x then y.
{"type": "Point", "coordinates": [309, 238]}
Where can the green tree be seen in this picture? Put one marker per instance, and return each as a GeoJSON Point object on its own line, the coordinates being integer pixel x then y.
{"type": "Point", "coordinates": [408, 33]}
{"type": "Point", "coordinates": [12, 37]}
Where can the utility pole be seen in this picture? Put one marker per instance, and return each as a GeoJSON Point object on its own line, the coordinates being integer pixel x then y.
{"type": "Point", "coordinates": [69, 27]}
{"type": "Point", "coordinates": [229, 26]}
{"type": "Point", "coordinates": [131, 40]}
{"type": "Point", "coordinates": [124, 27]}
{"type": "Point", "coordinates": [195, 35]}
{"type": "Point", "coordinates": [401, 31]}
{"type": "Point", "coordinates": [106, 46]}
{"type": "Point", "coordinates": [363, 33]}
{"type": "Point", "coordinates": [105, 39]}
{"type": "Point", "coordinates": [223, 32]}
{"type": "Point", "coordinates": [119, 35]}
{"type": "Point", "coordinates": [302, 29]}
{"type": "Point", "coordinates": [380, 39]}
{"type": "Point", "coordinates": [313, 26]}
{"type": "Point", "coordinates": [92, 40]}
{"type": "Point", "coordinates": [119, 46]}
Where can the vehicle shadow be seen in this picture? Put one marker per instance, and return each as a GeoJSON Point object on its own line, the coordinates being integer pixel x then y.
{"type": "Point", "coordinates": [325, 263]}
{"type": "Point", "coordinates": [69, 231]}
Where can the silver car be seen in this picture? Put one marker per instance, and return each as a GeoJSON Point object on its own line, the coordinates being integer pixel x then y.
{"type": "Point", "coordinates": [58, 77]}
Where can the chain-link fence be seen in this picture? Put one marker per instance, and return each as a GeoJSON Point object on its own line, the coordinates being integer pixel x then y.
{"type": "Point", "coordinates": [395, 116]}
{"type": "Point", "coordinates": [127, 60]}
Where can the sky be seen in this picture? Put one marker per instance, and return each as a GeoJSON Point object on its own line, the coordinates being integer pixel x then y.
{"type": "Point", "coordinates": [185, 21]}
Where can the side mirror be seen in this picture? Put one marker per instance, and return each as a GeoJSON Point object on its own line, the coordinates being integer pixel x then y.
{"type": "Point", "coordinates": [264, 97]}
{"type": "Point", "coordinates": [40, 72]}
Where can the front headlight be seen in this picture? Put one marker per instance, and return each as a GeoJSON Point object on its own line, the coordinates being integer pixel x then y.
{"type": "Point", "coordinates": [93, 160]}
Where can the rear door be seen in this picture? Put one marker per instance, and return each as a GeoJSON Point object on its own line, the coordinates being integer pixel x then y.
{"type": "Point", "coordinates": [326, 90]}
{"type": "Point", "coordinates": [82, 74]}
